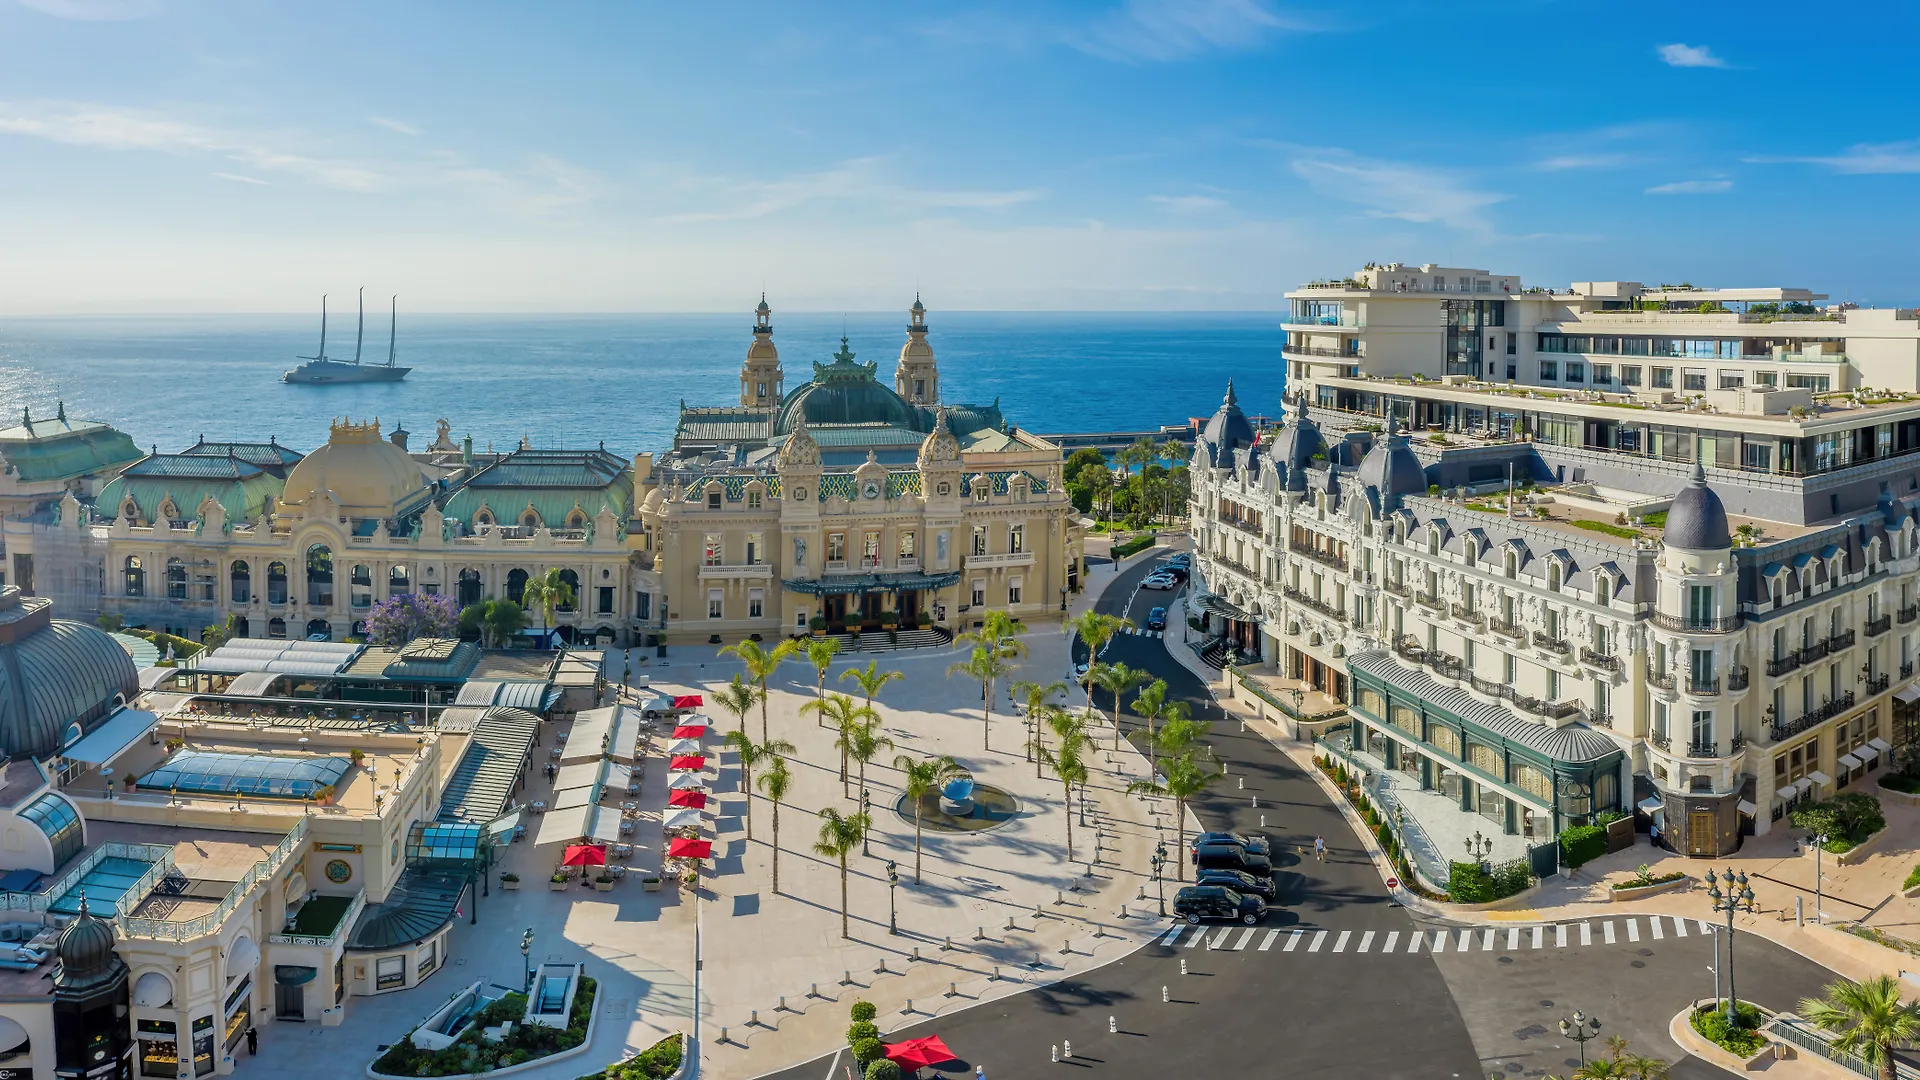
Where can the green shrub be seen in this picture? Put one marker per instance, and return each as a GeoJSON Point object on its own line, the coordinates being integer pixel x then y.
{"type": "Point", "coordinates": [1582, 844]}
{"type": "Point", "coordinates": [657, 1062]}
{"type": "Point", "coordinates": [884, 1070]}
{"type": "Point", "coordinates": [868, 1050]}
{"type": "Point", "coordinates": [1913, 878]}
{"type": "Point", "coordinates": [865, 1010]}
{"type": "Point", "coordinates": [1511, 879]}
{"type": "Point", "coordinates": [1743, 1040]}
{"type": "Point", "coordinates": [861, 1029]}
{"type": "Point", "coordinates": [1847, 820]}
{"type": "Point", "coordinates": [1469, 884]}
{"type": "Point", "coordinates": [1645, 877]}
{"type": "Point", "coordinates": [1137, 544]}
{"type": "Point", "coordinates": [1902, 781]}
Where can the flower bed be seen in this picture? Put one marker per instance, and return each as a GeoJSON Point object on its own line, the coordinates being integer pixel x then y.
{"type": "Point", "coordinates": [1377, 825]}
{"type": "Point", "coordinates": [472, 1053]}
{"type": "Point", "coordinates": [1743, 1041]}
{"type": "Point", "coordinates": [1847, 820]}
{"type": "Point", "coordinates": [656, 1062]}
{"type": "Point", "coordinates": [1647, 883]}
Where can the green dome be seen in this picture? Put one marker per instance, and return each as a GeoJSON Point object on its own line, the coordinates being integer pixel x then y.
{"type": "Point", "coordinates": [54, 674]}
{"type": "Point", "coordinates": [844, 392]}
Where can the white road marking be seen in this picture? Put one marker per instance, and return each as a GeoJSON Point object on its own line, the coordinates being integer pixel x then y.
{"type": "Point", "coordinates": [1513, 937]}
{"type": "Point", "coordinates": [1222, 939]}
{"type": "Point", "coordinates": [1340, 943]}
{"type": "Point", "coordinates": [1586, 933]}
{"type": "Point", "coordinates": [1706, 927]}
{"type": "Point", "coordinates": [1439, 941]}
{"type": "Point", "coordinates": [1244, 938]}
{"type": "Point", "coordinates": [1392, 936]}
{"type": "Point", "coordinates": [1172, 935]}
{"type": "Point", "coordinates": [1486, 941]}
{"type": "Point", "coordinates": [1608, 927]}
{"type": "Point", "coordinates": [1293, 940]}
{"type": "Point", "coordinates": [1560, 936]}
{"type": "Point", "coordinates": [1538, 933]}
{"type": "Point", "coordinates": [1199, 935]}
{"type": "Point", "coordinates": [1679, 926]}
{"type": "Point", "coordinates": [1267, 942]}
{"type": "Point", "coordinates": [1366, 939]}
{"type": "Point", "coordinates": [1319, 936]}
{"type": "Point", "coordinates": [1415, 940]}
{"type": "Point", "coordinates": [1465, 943]}
{"type": "Point", "coordinates": [1633, 929]}
{"type": "Point", "coordinates": [1659, 931]}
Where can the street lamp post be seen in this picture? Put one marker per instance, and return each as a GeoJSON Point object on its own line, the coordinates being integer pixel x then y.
{"type": "Point", "coordinates": [1738, 892]}
{"type": "Point", "coordinates": [893, 882]}
{"type": "Point", "coordinates": [1063, 598]}
{"type": "Point", "coordinates": [1819, 843]}
{"type": "Point", "coordinates": [866, 811]}
{"type": "Point", "coordinates": [1160, 882]}
{"type": "Point", "coordinates": [1580, 1027]}
{"type": "Point", "coordinates": [1479, 847]}
{"type": "Point", "coordinates": [526, 961]}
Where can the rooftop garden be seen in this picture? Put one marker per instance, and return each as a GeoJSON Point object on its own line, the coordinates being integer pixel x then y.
{"type": "Point", "coordinates": [320, 916]}
{"type": "Point", "coordinates": [474, 1053]}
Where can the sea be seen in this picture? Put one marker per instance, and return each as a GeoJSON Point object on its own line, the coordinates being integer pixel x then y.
{"type": "Point", "coordinates": [577, 381]}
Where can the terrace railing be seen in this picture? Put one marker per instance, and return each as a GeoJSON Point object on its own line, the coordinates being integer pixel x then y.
{"type": "Point", "coordinates": [211, 922]}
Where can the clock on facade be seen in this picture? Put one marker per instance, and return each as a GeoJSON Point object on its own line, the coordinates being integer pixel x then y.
{"type": "Point", "coordinates": [871, 489]}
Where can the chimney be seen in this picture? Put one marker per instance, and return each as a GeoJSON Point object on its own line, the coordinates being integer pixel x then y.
{"type": "Point", "coordinates": [399, 437]}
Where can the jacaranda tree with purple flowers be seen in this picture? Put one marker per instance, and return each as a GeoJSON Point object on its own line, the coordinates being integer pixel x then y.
{"type": "Point", "coordinates": [399, 619]}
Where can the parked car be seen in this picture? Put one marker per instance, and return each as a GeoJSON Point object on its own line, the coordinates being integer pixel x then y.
{"type": "Point", "coordinates": [1197, 902]}
{"type": "Point", "coordinates": [1157, 619]}
{"type": "Point", "coordinates": [1239, 881]}
{"type": "Point", "coordinates": [1159, 581]}
{"type": "Point", "coordinates": [1231, 857]}
{"type": "Point", "coordinates": [1256, 844]}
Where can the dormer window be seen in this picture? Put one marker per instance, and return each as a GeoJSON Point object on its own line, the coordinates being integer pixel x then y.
{"type": "Point", "coordinates": [483, 519]}
{"type": "Point", "coordinates": [1472, 552]}
{"type": "Point", "coordinates": [1433, 541]}
{"type": "Point", "coordinates": [713, 498]}
{"type": "Point", "coordinates": [1553, 577]}
{"type": "Point", "coordinates": [530, 520]}
{"type": "Point", "coordinates": [577, 520]}
{"type": "Point", "coordinates": [753, 499]}
{"type": "Point", "coordinates": [131, 511]}
{"type": "Point", "coordinates": [1602, 590]}
{"type": "Point", "coordinates": [1513, 565]}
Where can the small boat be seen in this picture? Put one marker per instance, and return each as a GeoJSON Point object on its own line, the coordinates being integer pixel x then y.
{"type": "Point", "coordinates": [321, 368]}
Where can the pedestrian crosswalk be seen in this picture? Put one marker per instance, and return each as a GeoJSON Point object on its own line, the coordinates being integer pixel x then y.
{"type": "Point", "coordinates": [1585, 934]}
{"type": "Point", "coordinates": [1142, 632]}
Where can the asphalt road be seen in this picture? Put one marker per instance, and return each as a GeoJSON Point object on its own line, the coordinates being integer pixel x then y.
{"type": "Point", "coordinates": [1267, 1004]}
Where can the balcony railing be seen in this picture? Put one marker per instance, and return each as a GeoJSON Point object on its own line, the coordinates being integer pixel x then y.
{"type": "Point", "coordinates": [1409, 648]}
{"type": "Point", "coordinates": [1243, 526]}
{"type": "Point", "coordinates": [1397, 588]}
{"type": "Point", "coordinates": [1509, 629]}
{"type": "Point", "coordinates": [1664, 682]}
{"type": "Point", "coordinates": [1688, 625]}
{"type": "Point", "coordinates": [1876, 627]}
{"type": "Point", "coordinates": [1813, 651]}
{"type": "Point", "coordinates": [1318, 605]}
{"type": "Point", "coordinates": [1541, 640]}
{"type": "Point", "coordinates": [1338, 354]}
{"type": "Point", "coordinates": [1906, 670]}
{"type": "Point", "coordinates": [1703, 750]}
{"type": "Point", "coordinates": [1599, 719]}
{"type": "Point", "coordinates": [1432, 603]}
{"type": "Point", "coordinates": [1603, 661]}
{"type": "Point", "coordinates": [1466, 614]}
{"type": "Point", "coordinates": [345, 924]}
{"type": "Point", "coordinates": [1324, 558]}
{"type": "Point", "coordinates": [1738, 678]}
{"type": "Point", "coordinates": [264, 870]}
{"type": "Point", "coordinates": [1842, 640]}
{"type": "Point", "coordinates": [1660, 740]}
{"type": "Point", "coordinates": [1909, 613]}
{"type": "Point", "coordinates": [1819, 715]}
{"type": "Point", "coordinates": [1703, 687]}
{"type": "Point", "coordinates": [1782, 664]}
{"type": "Point", "coordinates": [1878, 684]}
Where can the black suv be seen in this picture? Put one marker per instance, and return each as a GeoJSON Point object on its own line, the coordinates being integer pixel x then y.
{"type": "Point", "coordinates": [1231, 857]}
{"type": "Point", "coordinates": [1256, 845]}
{"type": "Point", "coordinates": [1238, 881]}
{"type": "Point", "coordinates": [1197, 902]}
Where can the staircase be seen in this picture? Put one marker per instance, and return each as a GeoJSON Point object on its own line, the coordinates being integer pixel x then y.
{"type": "Point", "coordinates": [874, 641]}
{"type": "Point", "coordinates": [1215, 653]}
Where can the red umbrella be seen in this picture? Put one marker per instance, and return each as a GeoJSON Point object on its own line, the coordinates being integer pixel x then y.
{"type": "Point", "coordinates": [687, 701]}
{"type": "Point", "coordinates": [696, 800]}
{"type": "Point", "coordinates": [919, 1053]}
{"type": "Point", "coordinates": [584, 855]}
{"type": "Point", "coordinates": [682, 848]}
{"type": "Point", "coordinates": [690, 731]}
{"type": "Point", "coordinates": [687, 763]}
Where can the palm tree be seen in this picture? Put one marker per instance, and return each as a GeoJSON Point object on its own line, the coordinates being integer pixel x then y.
{"type": "Point", "coordinates": [737, 698]}
{"type": "Point", "coordinates": [494, 621]}
{"type": "Point", "coordinates": [761, 663]}
{"type": "Point", "coordinates": [1867, 1017]}
{"type": "Point", "coordinates": [820, 653]}
{"type": "Point", "coordinates": [1068, 766]}
{"type": "Point", "coordinates": [871, 679]}
{"type": "Point", "coordinates": [839, 835]}
{"type": "Point", "coordinates": [752, 754]}
{"type": "Point", "coordinates": [840, 713]}
{"type": "Point", "coordinates": [986, 665]}
{"type": "Point", "coordinates": [1116, 678]}
{"type": "Point", "coordinates": [547, 593]}
{"type": "Point", "coordinates": [1180, 731]}
{"type": "Point", "coordinates": [775, 782]}
{"type": "Point", "coordinates": [918, 779]}
{"type": "Point", "coordinates": [1150, 705]}
{"type": "Point", "coordinates": [863, 742]}
{"type": "Point", "coordinates": [1036, 698]}
{"type": "Point", "coordinates": [1096, 629]}
{"type": "Point", "coordinates": [1184, 780]}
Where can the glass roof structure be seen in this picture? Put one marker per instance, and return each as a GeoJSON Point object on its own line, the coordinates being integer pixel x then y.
{"type": "Point", "coordinates": [105, 887]}
{"type": "Point", "coordinates": [456, 843]}
{"type": "Point", "coordinates": [202, 772]}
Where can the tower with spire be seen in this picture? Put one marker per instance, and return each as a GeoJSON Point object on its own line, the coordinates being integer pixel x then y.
{"type": "Point", "coordinates": [760, 374]}
{"type": "Point", "coordinates": [917, 378]}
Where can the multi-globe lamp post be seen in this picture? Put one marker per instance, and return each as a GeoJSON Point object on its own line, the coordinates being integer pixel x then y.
{"type": "Point", "coordinates": [526, 961]}
{"type": "Point", "coordinates": [1160, 882]}
{"type": "Point", "coordinates": [1580, 1027]}
{"type": "Point", "coordinates": [893, 882]}
{"type": "Point", "coordinates": [1736, 895]}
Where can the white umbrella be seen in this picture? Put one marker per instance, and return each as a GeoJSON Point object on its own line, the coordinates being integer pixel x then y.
{"type": "Point", "coordinates": [688, 781]}
{"type": "Point", "coordinates": [684, 746]}
{"type": "Point", "coordinates": [679, 816]}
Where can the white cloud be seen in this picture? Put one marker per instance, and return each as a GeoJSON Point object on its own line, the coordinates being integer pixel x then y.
{"type": "Point", "coordinates": [393, 125]}
{"type": "Point", "coordinates": [239, 179]}
{"type": "Point", "coordinates": [1692, 187]}
{"type": "Point", "coordinates": [1391, 189]}
{"type": "Point", "coordinates": [1163, 30]}
{"type": "Point", "coordinates": [863, 180]}
{"type": "Point", "coordinates": [1187, 204]}
{"type": "Point", "coordinates": [1568, 162]}
{"type": "Point", "coordinates": [1864, 159]}
{"type": "Point", "coordinates": [1689, 56]}
{"type": "Point", "coordinates": [94, 10]}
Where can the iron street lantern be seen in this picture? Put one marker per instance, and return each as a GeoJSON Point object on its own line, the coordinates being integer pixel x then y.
{"type": "Point", "coordinates": [893, 882]}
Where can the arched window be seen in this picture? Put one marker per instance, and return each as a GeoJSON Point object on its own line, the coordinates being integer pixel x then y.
{"type": "Point", "coordinates": [276, 628]}
{"type": "Point", "coordinates": [572, 581]}
{"type": "Point", "coordinates": [517, 585]}
{"type": "Point", "coordinates": [398, 582]}
{"type": "Point", "coordinates": [176, 579]}
{"type": "Point", "coordinates": [319, 629]}
{"type": "Point", "coordinates": [136, 576]}
{"type": "Point", "coordinates": [483, 518]}
{"type": "Point", "coordinates": [577, 519]}
{"type": "Point", "coordinates": [1433, 540]}
{"type": "Point", "coordinates": [469, 590]}
{"type": "Point", "coordinates": [130, 510]}
{"type": "Point", "coordinates": [1553, 577]}
{"type": "Point", "coordinates": [360, 592]}
{"type": "Point", "coordinates": [168, 511]}
{"type": "Point", "coordinates": [1602, 590]}
{"type": "Point", "coordinates": [1513, 565]}
{"type": "Point", "coordinates": [320, 575]}
{"type": "Point", "coordinates": [277, 583]}
{"type": "Point", "coordinates": [530, 520]}
{"type": "Point", "coordinates": [240, 628]}
{"type": "Point", "coordinates": [1472, 551]}
{"type": "Point", "coordinates": [240, 581]}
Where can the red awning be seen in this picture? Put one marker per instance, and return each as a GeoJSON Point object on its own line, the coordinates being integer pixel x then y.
{"type": "Point", "coordinates": [687, 763]}
{"type": "Point", "coordinates": [683, 848]}
{"type": "Point", "coordinates": [919, 1053]}
{"type": "Point", "coordinates": [584, 855]}
{"type": "Point", "coordinates": [690, 731]}
{"type": "Point", "coordinates": [687, 701]}
{"type": "Point", "coordinates": [695, 800]}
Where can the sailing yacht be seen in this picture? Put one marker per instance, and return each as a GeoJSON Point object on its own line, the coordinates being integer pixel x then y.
{"type": "Point", "coordinates": [321, 368]}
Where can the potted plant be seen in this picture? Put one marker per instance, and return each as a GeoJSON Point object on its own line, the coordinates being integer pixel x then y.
{"type": "Point", "coordinates": [175, 743]}
{"type": "Point", "coordinates": [323, 794]}
{"type": "Point", "coordinates": [510, 881]}
{"type": "Point", "coordinates": [923, 620]}
{"type": "Point", "coordinates": [690, 877]}
{"type": "Point", "coordinates": [889, 620]}
{"type": "Point", "coordinates": [817, 626]}
{"type": "Point", "coordinates": [356, 755]}
{"type": "Point", "coordinates": [129, 781]}
{"type": "Point", "coordinates": [558, 882]}
{"type": "Point", "coordinates": [650, 882]}
{"type": "Point", "coordinates": [603, 883]}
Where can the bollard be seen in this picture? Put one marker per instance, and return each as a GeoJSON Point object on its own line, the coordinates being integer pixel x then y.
{"type": "Point", "coordinates": [1163, 995]}
{"type": "Point", "coordinates": [1799, 912]}
{"type": "Point", "coordinates": [1142, 894]}
{"type": "Point", "coordinates": [782, 1007]}
{"type": "Point", "coordinates": [952, 991]}
{"type": "Point", "coordinates": [1059, 897]}
{"type": "Point", "coordinates": [1183, 965]}
{"type": "Point", "coordinates": [1113, 1025]}
{"type": "Point", "coordinates": [947, 945]}
{"type": "Point", "coordinates": [913, 959]}
{"type": "Point", "coordinates": [813, 990]}
{"type": "Point", "coordinates": [1263, 821]}
{"type": "Point", "coordinates": [723, 1035]}
{"type": "Point", "coordinates": [1055, 1051]}
{"type": "Point", "coordinates": [882, 969]}
{"type": "Point", "coordinates": [1123, 911]}
{"type": "Point", "coordinates": [1089, 873]}
{"type": "Point", "coordinates": [1243, 783]}
{"type": "Point", "coordinates": [753, 1018]}
{"type": "Point", "coordinates": [846, 977]}
{"type": "Point", "coordinates": [909, 1007]}
{"type": "Point", "coordinates": [1209, 944]}
{"type": "Point", "coordinates": [1038, 913]}
{"type": "Point", "coordinates": [1066, 946]}
{"type": "Point", "coordinates": [1009, 924]}
{"type": "Point", "coordinates": [980, 933]}
{"type": "Point", "coordinates": [995, 977]}
{"type": "Point", "coordinates": [1066, 1048]}
{"type": "Point", "coordinates": [1256, 802]}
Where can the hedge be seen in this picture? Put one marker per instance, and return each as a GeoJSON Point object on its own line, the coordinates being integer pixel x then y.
{"type": "Point", "coordinates": [1582, 844]}
{"type": "Point", "coordinates": [1134, 546]}
{"type": "Point", "coordinates": [884, 1070]}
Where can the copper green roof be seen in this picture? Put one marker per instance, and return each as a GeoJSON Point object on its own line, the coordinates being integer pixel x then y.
{"type": "Point", "coordinates": [246, 492]}
{"type": "Point", "coordinates": [722, 425]}
{"type": "Point", "coordinates": [270, 456]}
{"type": "Point", "coordinates": [61, 449]}
{"type": "Point", "coordinates": [554, 483]}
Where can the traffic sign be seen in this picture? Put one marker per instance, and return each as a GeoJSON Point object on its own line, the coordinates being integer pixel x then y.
{"type": "Point", "coordinates": [1393, 883]}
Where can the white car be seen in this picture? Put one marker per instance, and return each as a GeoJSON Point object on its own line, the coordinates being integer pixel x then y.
{"type": "Point", "coordinates": [1160, 581]}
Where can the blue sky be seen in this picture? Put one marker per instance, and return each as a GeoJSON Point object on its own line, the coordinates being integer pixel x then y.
{"type": "Point", "coordinates": [1151, 154]}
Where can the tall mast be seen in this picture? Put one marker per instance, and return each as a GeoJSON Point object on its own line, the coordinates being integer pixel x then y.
{"type": "Point", "coordinates": [360, 334]}
{"type": "Point", "coordinates": [393, 328]}
{"type": "Point", "coordinates": [322, 354]}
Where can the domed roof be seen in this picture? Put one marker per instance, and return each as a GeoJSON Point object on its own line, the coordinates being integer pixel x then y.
{"type": "Point", "coordinates": [85, 952]}
{"type": "Point", "coordinates": [1295, 446]}
{"type": "Point", "coordinates": [368, 476]}
{"type": "Point", "coordinates": [763, 309]}
{"type": "Point", "coordinates": [844, 392]}
{"type": "Point", "coordinates": [1228, 428]}
{"type": "Point", "coordinates": [1697, 520]}
{"type": "Point", "coordinates": [939, 447]}
{"type": "Point", "coordinates": [53, 673]}
{"type": "Point", "coordinates": [1391, 468]}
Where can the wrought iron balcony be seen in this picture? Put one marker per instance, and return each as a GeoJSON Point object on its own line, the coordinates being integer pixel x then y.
{"type": "Point", "coordinates": [1509, 629]}
{"type": "Point", "coordinates": [1738, 742]}
{"type": "Point", "coordinates": [1814, 651]}
{"type": "Point", "coordinates": [1842, 640]}
{"type": "Point", "coordinates": [1664, 682]}
{"type": "Point", "coordinates": [1738, 678]}
{"type": "Point", "coordinates": [1702, 750]}
{"type": "Point", "coordinates": [1782, 664]}
{"type": "Point", "coordinates": [1603, 661]}
{"type": "Point", "coordinates": [1599, 719]}
{"type": "Point", "coordinates": [1878, 684]}
{"type": "Point", "coordinates": [1909, 613]}
{"type": "Point", "coordinates": [1876, 627]}
{"type": "Point", "coordinates": [1703, 687]}
{"type": "Point", "coordinates": [1316, 604]}
{"type": "Point", "coordinates": [1689, 625]}
{"type": "Point", "coordinates": [1324, 558]}
{"type": "Point", "coordinates": [1812, 717]}
{"type": "Point", "coordinates": [1661, 740]}
{"type": "Point", "coordinates": [1552, 644]}
{"type": "Point", "coordinates": [1467, 615]}
{"type": "Point", "coordinates": [1397, 588]}
{"type": "Point", "coordinates": [1433, 603]}
{"type": "Point", "coordinates": [1906, 670]}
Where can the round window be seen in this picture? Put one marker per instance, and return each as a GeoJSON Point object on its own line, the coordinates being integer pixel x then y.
{"type": "Point", "coordinates": [339, 872]}
{"type": "Point", "coordinates": [799, 494]}
{"type": "Point", "coordinates": [946, 489]}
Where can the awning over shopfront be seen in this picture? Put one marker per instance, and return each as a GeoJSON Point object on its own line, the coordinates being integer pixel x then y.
{"type": "Point", "coordinates": [1574, 743]}
{"type": "Point", "coordinates": [1880, 744]}
{"type": "Point", "coordinates": [1748, 808]}
{"type": "Point", "coordinates": [1866, 753]}
{"type": "Point", "coordinates": [1652, 804]}
{"type": "Point", "coordinates": [1820, 778]}
{"type": "Point", "coordinates": [1907, 694]}
{"type": "Point", "coordinates": [871, 583]}
{"type": "Point", "coordinates": [1218, 605]}
{"type": "Point", "coordinates": [1849, 761]}
{"type": "Point", "coordinates": [565, 825]}
{"type": "Point", "coordinates": [293, 974]}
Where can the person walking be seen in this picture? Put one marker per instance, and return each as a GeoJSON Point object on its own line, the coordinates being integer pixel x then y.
{"type": "Point", "coordinates": [1320, 848]}
{"type": "Point", "coordinates": [253, 1041]}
